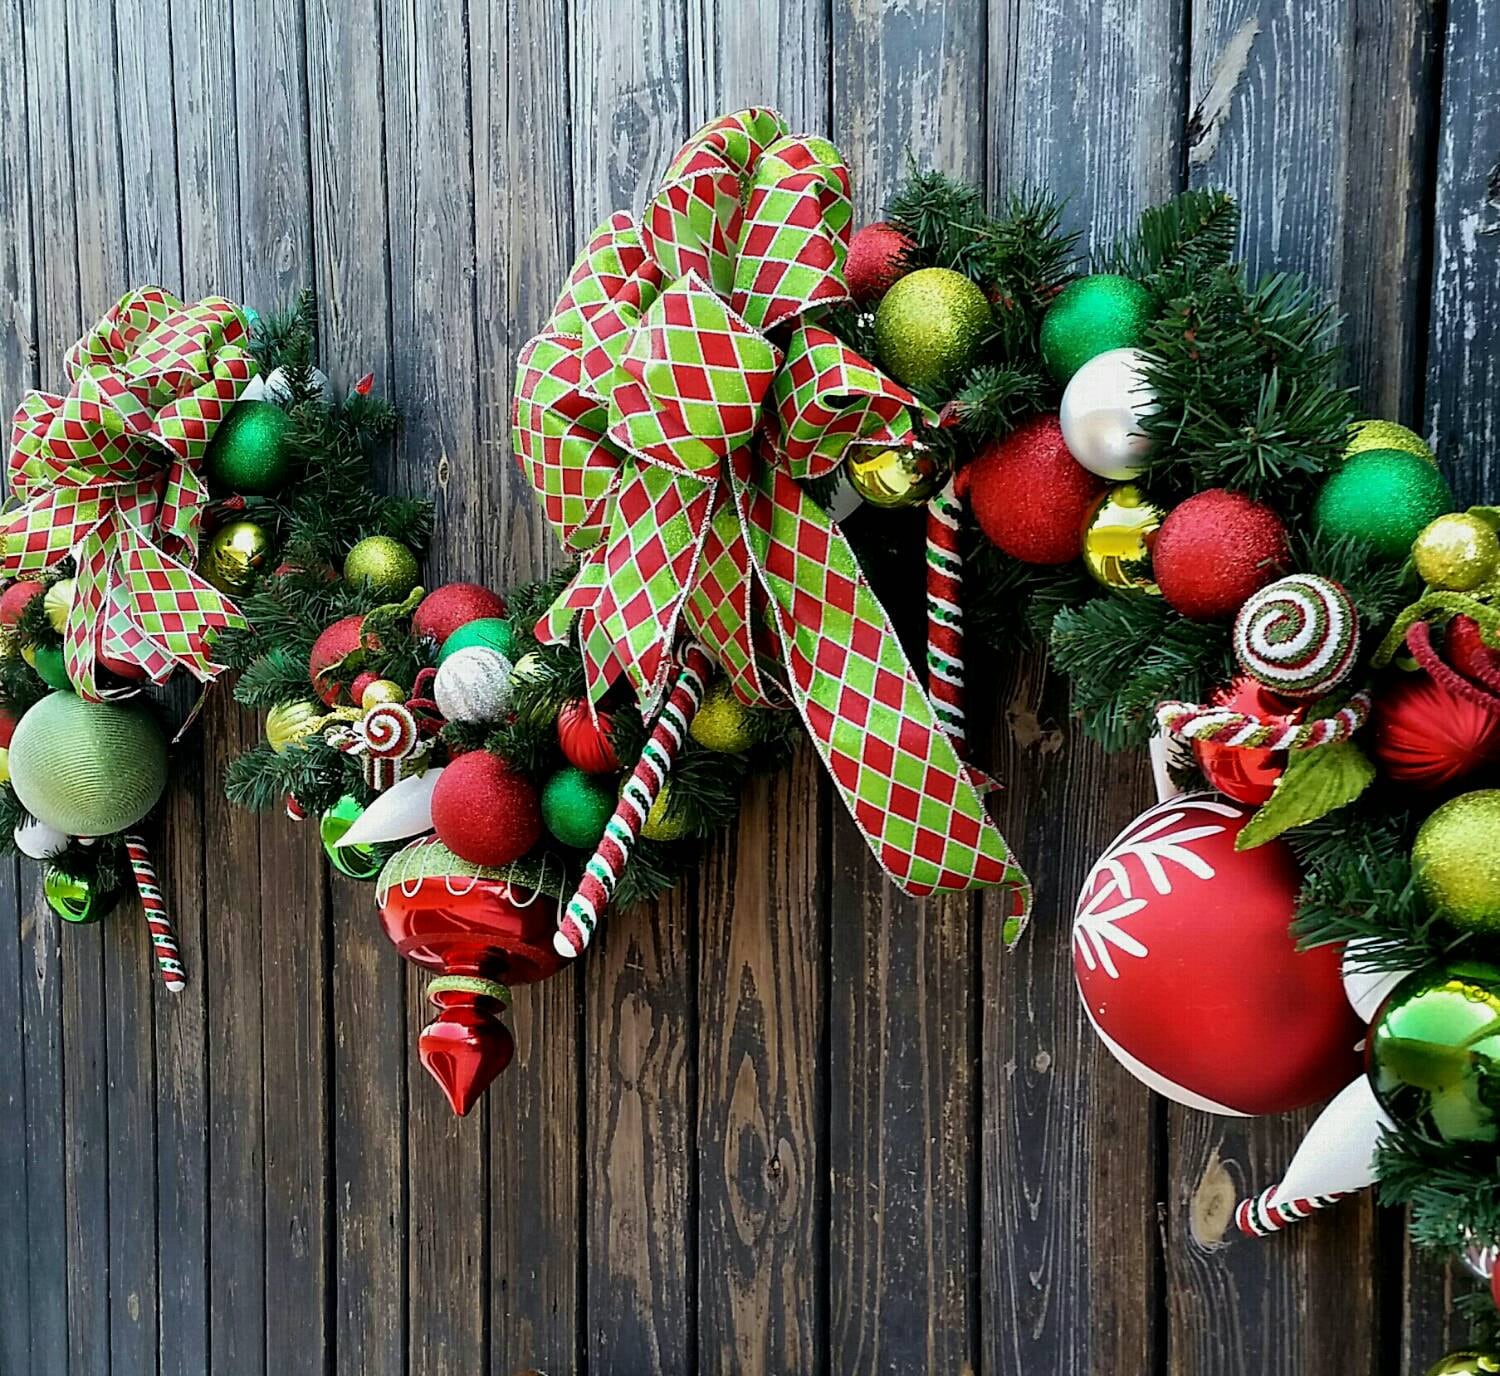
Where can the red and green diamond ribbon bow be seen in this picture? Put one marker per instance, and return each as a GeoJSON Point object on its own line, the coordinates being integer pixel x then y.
{"type": "Point", "coordinates": [666, 416]}
{"type": "Point", "coordinates": [109, 474]}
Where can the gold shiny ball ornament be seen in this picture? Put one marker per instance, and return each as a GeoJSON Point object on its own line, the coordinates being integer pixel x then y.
{"type": "Point", "coordinates": [58, 603]}
{"type": "Point", "coordinates": [1117, 535]}
{"type": "Point", "coordinates": [1466, 1364]}
{"type": "Point", "coordinates": [1456, 860]}
{"type": "Point", "coordinates": [890, 478]}
{"type": "Point", "coordinates": [289, 723]}
{"type": "Point", "coordinates": [1457, 552]}
{"type": "Point", "coordinates": [381, 690]}
{"type": "Point", "coordinates": [1386, 434]}
{"type": "Point", "coordinates": [723, 723]}
{"type": "Point", "coordinates": [929, 325]}
{"type": "Point", "coordinates": [233, 555]}
{"type": "Point", "coordinates": [662, 823]}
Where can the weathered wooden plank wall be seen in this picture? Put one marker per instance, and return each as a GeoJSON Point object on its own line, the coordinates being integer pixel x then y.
{"type": "Point", "coordinates": [784, 1121]}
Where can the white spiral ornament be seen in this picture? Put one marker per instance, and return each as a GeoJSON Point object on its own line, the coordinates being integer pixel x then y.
{"type": "Point", "coordinates": [1299, 636]}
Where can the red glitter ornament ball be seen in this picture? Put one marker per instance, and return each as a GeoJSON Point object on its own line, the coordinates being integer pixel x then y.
{"type": "Point", "coordinates": [877, 259]}
{"type": "Point", "coordinates": [1248, 776]}
{"type": "Point", "coordinates": [1030, 496]}
{"type": "Point", "coordinates": [447, 608]}
{"type": "Point", "coordinates": [1424, 735]}
{"type": "Point", "coordinates": [484, 811]}
{"type": "Point", "coordinates": [585, 741]}
{"type": "Point", "coordinates": [8, 723]}
{"type": "Point", "coordinates": [1214, 550]}
{"type": "Point", "coordinates": [16, 598]}
{"type": "Point", "coordinates": [336, 644]}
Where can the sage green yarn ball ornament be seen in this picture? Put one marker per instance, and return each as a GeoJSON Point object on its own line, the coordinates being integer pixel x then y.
{"type": "Point", "coordinates": [1090, 317]}
{"type": "Point", "coordinates": [485, 632]}
{"type": "Point", "coordinates": [88, 768]}
{"type": "Point", "coordinates": [1385, 497]}
{"type": "Point", "coordinates": [576, 806]}
{"type": "Point", "coordinates": [250, 452]}
{"type": "Point", "coordinates": [928, 326]}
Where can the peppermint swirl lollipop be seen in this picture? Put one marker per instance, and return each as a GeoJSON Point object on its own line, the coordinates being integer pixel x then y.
{"type": "Point", "coordinates": [1298, 636]}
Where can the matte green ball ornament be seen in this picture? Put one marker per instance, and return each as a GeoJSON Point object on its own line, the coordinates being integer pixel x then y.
{"type": "Point", "coordinates": [928, 326]}
{"type": "Point", "coordinates": [1384, 497]}
{"type": "Point", "coordinates": [1092, 316]}
{"type": "Point", "coordinates": [72, 899]}
{"type": "Point", "coordinates": [1433, 1053]}
{"type": "Point", "coordinates": [1456, 860]}
{"type": "Point", "coordinates": [251, 453]}
{"type": "Point", "coordinates": [51, 666]}
{"type": "Point", "coordinates": [88, 768]}
{"type": "Point", "coordinates": [487, 632]}
{"type": "Point", "coordinates": [576, 806]}
{"type": "Point", "coordinates": [723, 722]}
{"type": "Point", "coordinates": [384, 565]}
{"type": "Point", "coordinates": [355, 862]}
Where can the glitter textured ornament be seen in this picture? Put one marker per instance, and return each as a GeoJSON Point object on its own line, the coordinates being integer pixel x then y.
{"type": "Point", "coordinates": [325, 665]}
{"type": "Point", "coordinates": [1091, 316]}
{"type": "Point", "coordinates": [1384, 497]}
{"type": "Point", "coordinates": [584, 738]}
{"type": "Point", "coordinates": [1299, 635]}
{"type": "Point", "coordinates": [1386, 434]}
{"type": "Point", "coordinates": [928, 326]}
{"type": "Point", "coordinates": [1433, 1052]}
{"type": "Point", "coordinates": [355, 862]}
{"type": "Point", "coordinates": [447, 608]}
{"type": "Point", "coordinates": [904, 476]}
{"type": "Point", "coordinates": [58, 600]}
{"type": "Point", "coordinates": [1117, 537]}
{"type": "Point", "coordinates": [1101, 413]}
{"type": "Point", "coordinates": [287, 723]}
{"type": "Point", "coordinates": [484, 811]}
{"type": "Point", "coordinates": [233, 554]}
{"type": "Point", "coordinates": [250, 452]}
{"type": "Point", "coordinates": [876, 260]}
{"type": "Point", "coordinates": [1214, 550]}
{"type": "Point", "coordinates": [1456, 860]}
{"type": "Point", "coordinates": [1426, 736]}
{"type": "Point", "coordinates": [486, 632]}
{"type": "Point", "coordinates": [575, 807]}
{"type": "Point", "coordinates": [16, 598]}
{"type": "Point", "coordinates": [1030, 496]}
{"type": "Point", "coordinates": [379, 690]}
{"type": "Point", "coordinates": [383, 565]}
{"type": "Point", "coordinates": [473, 684]}
{"type": "Point", "coordinates": [1247, 774]}
{"type": "Point", "coordinates": [1468, 1363]}
{"type": "Point", "coordinates": [663, 822]}
{"type": "Point", "coordinates": [71, 898]}
{"type": "Point", "coordinates": [1457, 552]}
{"type": "Point", "coordinates": [722, 722]}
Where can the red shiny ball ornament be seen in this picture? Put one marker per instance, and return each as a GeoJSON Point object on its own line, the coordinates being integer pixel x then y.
{"type": "Point", "coordinates": [126, 669]}
{"type": "Point", "coordinates": [1030, 496]}
{"type": "Point", "coordinates": [362, 680]}
{"type": "Point", "coordinates": [330, 649]}
{"type": "Point", "coordinates": [876, 261]}
{"type": "Point", "coordinates": [1214, 550]}
{"type": "Point", "coordinates": [585, 742]}
{"type": "Point", "coordinates": [1248, 776]}
{"type": "Point", "coordinates": [1190, 974]}
{"type": "Point", "coordinates": [484, 811]}
{"type": "Point", "coordinates": [1424, 735]}
{"type": "Point", "coordinates": [447, 608]}
{"type": "Point", "coordinates": [16, 598]}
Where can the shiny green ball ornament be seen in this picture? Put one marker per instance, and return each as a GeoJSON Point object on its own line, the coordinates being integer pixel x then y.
{"type": "Point", "coordinates": [723, 723]}
{"type": "Point", "coordinates": [576, 806]}
{"type": "Point", "coordinates": [1433, 1052]}
{"type": "Point", "coordinates": [72, 899]}
{"type": "Point", "coordinates": [1466, 1364]}
{"type": "Point", "coordinates": [487, 632]}
{"type": "Point", "coordinates": [1457, 552]}
{"type": "Point", "coordinates": [384, 565]}
{"type": "Point", "coordinates": [251, 451]}
{"type": "Point", "coordinates": [88, 768]}
{"type": "Point", "coordinates": [1456, 860]}
{"type": "Point", "coordinates": [928, 326]}
{"type": "Point", "coordinates": [1384, 497]}
{"type": "Point", "coordinates": [51, 666]}
{"type": "Point", "coordinates": [1386, 434]}
{"type": "Point", "coordinates": [1092, 316]}
{"type": "Point", "coordinates": [356, 862]}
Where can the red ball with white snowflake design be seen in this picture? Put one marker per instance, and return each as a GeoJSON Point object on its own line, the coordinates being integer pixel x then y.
{"type": "Point", "coordinates": [1190, 975]}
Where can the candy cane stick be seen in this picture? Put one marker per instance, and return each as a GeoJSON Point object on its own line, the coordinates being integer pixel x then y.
{"type": "Point", "coordinates": [1259, 1217]}
{"type": "Point", "coordinates": [162, 939]}
{"type": "Point", "coordinates": [601, 876]}
{"type": "Point", "coordinates": [945, 618]}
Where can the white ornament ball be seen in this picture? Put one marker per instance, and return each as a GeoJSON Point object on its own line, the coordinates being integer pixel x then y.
{"type": "Point", "coordinates": [1102, 408]}
{"type": "Point", "coordinates": [39, 841]}
{"type": "Point", "coordinates": [275, 387]}
{"type": "Point", "coordinates": [473, 684]}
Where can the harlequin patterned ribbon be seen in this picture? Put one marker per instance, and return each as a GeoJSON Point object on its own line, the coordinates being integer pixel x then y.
{"type": "Point", "coordinates": [666, 415]}
{"type": "Point", "coordinates": [109, 474]}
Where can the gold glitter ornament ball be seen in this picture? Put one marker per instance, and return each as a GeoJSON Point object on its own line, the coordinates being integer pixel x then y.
{"type": "Point", "coordinates": [1456, 859]}
{"type": "Point", "coordinates": [385, 565]}
{"type": "Point", "coordinates": [662, 823]}
{"type": "Point", "coordinates": [928, 326]}
{"type": "Point", "coordinates": [903, 476]}
{"type": "Point", "coordinates": [380, 691]}
{"type": "Point", "coordinates": [1118, 535]}
{"type": "Point", "coordinates": [233, 554]}
{"type": "Point", "coordinates": [1386, 434]}
{"type": "Point", "coordinates": [1457, 552]}
{"type": "Point", "coordinates": [723, 723]}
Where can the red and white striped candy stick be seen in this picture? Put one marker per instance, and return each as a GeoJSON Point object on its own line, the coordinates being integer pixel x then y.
{"type": "Point", "coordinates": [601, 876]}
{"type": "Point", "coordinates": [1258, 1217]}
{"type": "Point", "coordinates": [162, 939]}
{"type": "Point", "coordinates": [945, 620]}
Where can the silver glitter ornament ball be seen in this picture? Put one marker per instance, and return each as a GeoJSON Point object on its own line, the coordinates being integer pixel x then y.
{"type": "Point", "coordinates": [1102, 408]}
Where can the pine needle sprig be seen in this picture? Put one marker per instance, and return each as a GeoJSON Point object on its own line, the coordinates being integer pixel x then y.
{"type": "Point", "coordinates": [1181, 238]}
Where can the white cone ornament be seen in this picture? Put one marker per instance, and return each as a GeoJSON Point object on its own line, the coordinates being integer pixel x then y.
{"type": "Point", "coordinates": [276, 387]}
{"type": "Point", "coordinates": [473, 684]}
{"type": "Point", "coordinates": [404, 809]}
{"type": "Point", "coordinates": [1338, 1153]}
{"type": "Point", "coordinates": [39, 841]}
{"type": "Point", "coordinates": [1189, 973]}
{"type": "Point", "coordinates": [1366, 989]}
{"type": "Point", "coordinates": [1101, 412]}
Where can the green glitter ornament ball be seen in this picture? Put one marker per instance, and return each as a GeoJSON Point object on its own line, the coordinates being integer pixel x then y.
{"type": "Point", "coordinates": [386, 565]}
{"type": "Point", "coordinates": [250, 453]}
{"type": "Point", "coordinates": [1456, 859]}
{"type": "Point", "coordinates": [576, 806]}
{"type": "Point", "coordinates": [487, 632]}
{"type": "Point", "coordinates": [88, 768]}
{"type": "Point", "coordinates": [928, 326]}
{"type": "Point", "coordinates": [1090, 317]}
{"type": "Point", "coordinates": [723, 723]}
{"type": "Point", "coordinates": [1386, 434]}
{"type": "Point", "coordinates": [1384, 497]}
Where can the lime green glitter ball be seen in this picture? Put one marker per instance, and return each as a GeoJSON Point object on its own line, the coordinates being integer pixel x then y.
{"type": "Point", "coordinates": [928, 326]}
{"type": "Point", "coordinates": [487, 632]}
{"type": "Point", "coordinates": [1092, 316]}
{"type": "Point", "coordinates": [250, 452]}
{"type": "Point", "coordinates": [1386, 434]}
{"type": "Point", "coordinates": [87, 768]}
{"type": "Point", "coordinates": [386, 565]}
{"type": "Point", "coordinates": [723, 723]}
{"type": "Point", "coordinates": [1456, 859]}
{"type": "Point", "coordinates": [576, 806]}
{"type": "Point", "coordinates": [1384, 497]}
